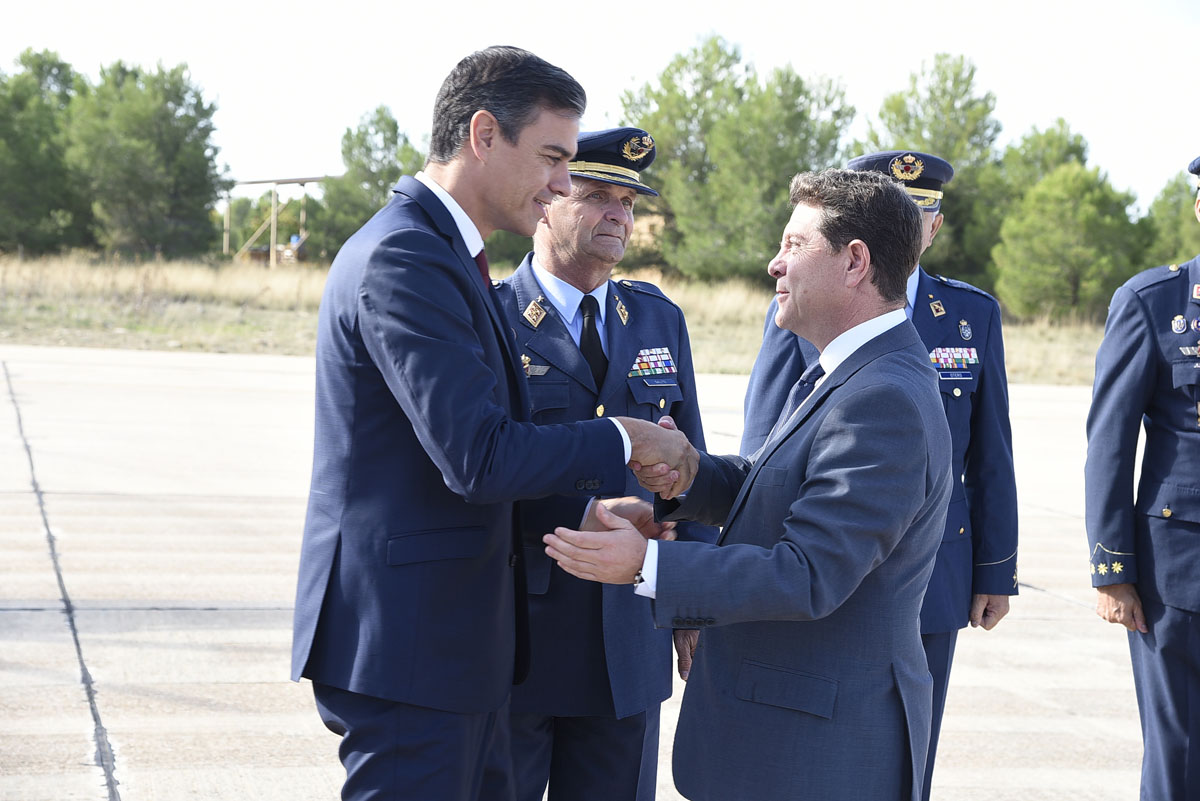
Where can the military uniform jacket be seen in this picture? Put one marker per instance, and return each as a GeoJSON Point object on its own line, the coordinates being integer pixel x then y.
{"type": "Point", "coordinates": [960, 328]}
{"type": "Point", "coordinates": [1148, 374]}
{"type": "Point", "coordinates": [595, 648]}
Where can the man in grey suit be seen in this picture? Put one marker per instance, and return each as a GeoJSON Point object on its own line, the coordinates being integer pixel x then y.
{"type": "Point", "coordinates": [809, 679]}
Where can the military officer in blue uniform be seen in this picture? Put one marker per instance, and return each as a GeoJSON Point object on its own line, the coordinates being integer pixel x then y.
{"type": "Point", "coordinates": [586, 719]}
{"type": "Point", "coordinates": [976, 567]}
{"type": "Point", "coordinates": [1145, 554]}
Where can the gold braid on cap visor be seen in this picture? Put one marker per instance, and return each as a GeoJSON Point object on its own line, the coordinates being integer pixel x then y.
{"type": "Point", "coordinates": [924, 197]}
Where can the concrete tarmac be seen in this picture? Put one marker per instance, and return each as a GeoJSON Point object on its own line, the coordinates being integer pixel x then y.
{"type": "Point", "coordinates": [151, 508]}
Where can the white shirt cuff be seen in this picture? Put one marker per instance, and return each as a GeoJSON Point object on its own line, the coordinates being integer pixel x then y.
{"type": "Point", "coordinates": [624, 439]}
{"type": "Point", "coordinates": [587, 510]}
{"type": "Point", "coordinates": [649, 586]}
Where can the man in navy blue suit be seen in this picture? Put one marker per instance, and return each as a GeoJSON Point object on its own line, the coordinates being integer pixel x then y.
{"type": "Point", "coordinates": [976, 567]}
{"type": "Point", "coordinates": [809, 681]}
{"type": "Point", "coordinates": [411, 618]}
{"type": "Point", "coordinates": [1144, 553]}
{"type": "Point", "coordinates": [585, 721]}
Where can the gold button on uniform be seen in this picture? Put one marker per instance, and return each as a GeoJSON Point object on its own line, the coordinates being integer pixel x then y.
{"type": "Point", "coordinates": [957, 392]}
{"type": "Point", "coordinates": [662, 403]}
{"type": "Point", "coordinates": [1166, 511]}
{"type": "Point", "coordinates": [962, 531]}
{"type": "Point", "coordinates": [600, 410]}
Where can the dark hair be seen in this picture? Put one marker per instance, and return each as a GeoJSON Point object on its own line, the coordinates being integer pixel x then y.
{"type": "Point", "coordinates": [511, 83]}
{"type": "Point", "coordinates": [870, 207]}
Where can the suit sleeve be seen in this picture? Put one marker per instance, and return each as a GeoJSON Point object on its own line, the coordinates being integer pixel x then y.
{"type": "Point", "coordinates": [865, 484]}
{"type": "Point", "coordinates": [686, 414]}
{"type": "Point", "coordinates": [988, 476]}
{"type": "Point", "coordinates": [423, 331]}
{"type": "Point", "coordinates": [1126, 366]}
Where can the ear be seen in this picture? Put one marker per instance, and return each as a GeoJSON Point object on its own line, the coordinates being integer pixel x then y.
{"type": "Point", "coordinates": [1198, 205]}
{"type": "Point", "coordinates": [485, 131]}
{"type": "Point", "coordinates": [859, 267]}
{"type": "Point", "coordinates": [937, 224]}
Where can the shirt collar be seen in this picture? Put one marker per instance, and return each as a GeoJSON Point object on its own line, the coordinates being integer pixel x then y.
{"type": "Point", "coordinates": [913, 279]}
{"type": "Point", "coordinates": [466, 227]}
{"type": "Point", "coordinates": [566, 298]}
{"type": "Point", "coordinates": [845, 344]}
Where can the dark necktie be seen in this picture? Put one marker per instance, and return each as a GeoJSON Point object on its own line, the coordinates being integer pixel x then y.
{"type": "Point", "coordinates": [800, 391]}
{"type": "Point", "coordinates": [482, 263]}
{"type": "Point", "coordinates": [589, 340]}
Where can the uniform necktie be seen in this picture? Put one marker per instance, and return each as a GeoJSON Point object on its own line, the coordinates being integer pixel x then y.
{"type": "Point", "coordinates": [482, 263]}
{"type": "Point", "coordinates": [800, 391]}
{"type": "Point", "coordinates": [589, 340]}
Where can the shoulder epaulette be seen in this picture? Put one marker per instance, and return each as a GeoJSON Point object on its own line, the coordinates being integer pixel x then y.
{"type": "Point", "coordinates": [1155, 275]}
{"type": "Point", "coordinates": [644, 288]}
{"type": "Point", "coordinates": [954, 283]}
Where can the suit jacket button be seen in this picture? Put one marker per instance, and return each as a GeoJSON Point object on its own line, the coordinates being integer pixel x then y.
{"type": "Point", "coordinates": [600, 410]}
{"type": "Point", "coordinates": [689, 622]}
{"type": "Point", "coordinates": [677, 622]}
{"type": "Point", "coordinates": [1166, 511]}
{"type": "Point", "coordinates": [580, 484]}
{"type": "Point", "coordinates": [512, 560]}
{"type": "Point", "coordinates": [708, 621]}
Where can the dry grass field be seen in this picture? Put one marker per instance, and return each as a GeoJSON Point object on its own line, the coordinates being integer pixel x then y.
{"type": "Point", "coordinates": [248, 308]}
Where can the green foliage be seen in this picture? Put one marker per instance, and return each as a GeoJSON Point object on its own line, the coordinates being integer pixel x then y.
{"type": "Point", "coordinates": [993, 189]}
{"type": "Point", "coordinates": [141, 141]}
{"type": "Point", "coordinates": [728, 143]}
{"type": "Point", "coordinates": [1176, 229]}
{"type": "Point", "coordinates": [1067, 245]}
{"type": "Point", "coordinates": [376, 154]}
{"type": "Point", "coordinates": [41, 208]}
{"type": "Point", "coordinates": [939, 113]}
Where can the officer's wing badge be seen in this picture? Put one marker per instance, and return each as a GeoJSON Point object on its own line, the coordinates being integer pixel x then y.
{"type": "Point", "coordinates": [652, 361]}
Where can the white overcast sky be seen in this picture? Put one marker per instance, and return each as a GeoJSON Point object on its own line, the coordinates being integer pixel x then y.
{"type": "Point", "coordinates": [288, 78]}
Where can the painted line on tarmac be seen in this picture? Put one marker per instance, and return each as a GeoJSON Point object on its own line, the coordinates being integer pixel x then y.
{"type": "Point", "coordinates": [104, 752]}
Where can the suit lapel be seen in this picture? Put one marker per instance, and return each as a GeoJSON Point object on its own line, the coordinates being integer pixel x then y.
{"type": "Point", "coordinates": [931, 327]}
{"type": "Point", "coordinates": [446, 226]}
{"type": "Point", "coordinates": [623, 345]}
{"type": "Point", "coordinates": [886, 342]}
{"type": "Point", "coordinates": [548, 337]}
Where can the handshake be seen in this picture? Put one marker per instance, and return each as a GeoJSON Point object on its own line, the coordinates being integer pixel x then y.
{"type": "Point", "coordinates": [662, 458]}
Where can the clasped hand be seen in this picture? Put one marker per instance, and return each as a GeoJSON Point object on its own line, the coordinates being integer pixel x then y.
{"type": "Point", "coordinates": [662, 458]}
{"type": "Point", "coordinates": [611, 546]}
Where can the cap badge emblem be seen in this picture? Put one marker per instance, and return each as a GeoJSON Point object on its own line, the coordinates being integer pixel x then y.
{"type": "Point", "coordinates": [638, 147]}
{"type": "Point", "coordinates": [907, 167]}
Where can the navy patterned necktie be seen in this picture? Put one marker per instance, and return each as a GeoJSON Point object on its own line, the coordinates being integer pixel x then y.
{"type": "Point", "coordinates": [589, 340]}
{"type": "Point", "coordinates": [800, 391]}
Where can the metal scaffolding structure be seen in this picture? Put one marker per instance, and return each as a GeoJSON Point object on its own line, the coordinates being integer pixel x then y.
{"type": "Point", "coordinates": [273, 221]}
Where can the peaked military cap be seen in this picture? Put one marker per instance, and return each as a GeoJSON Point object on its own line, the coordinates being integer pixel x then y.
{"type": "Point", "coordinates": [921, 174]}
{"type": "Point", "coordinates": [614, 156]}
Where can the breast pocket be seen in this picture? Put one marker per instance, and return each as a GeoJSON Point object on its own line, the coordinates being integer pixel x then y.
{"type": "Point", "coordinates": [1185, 375]}
{"type": "Point", "coordinates": [548, 393]}
{"type": "Point", "coordinates": [958, 393]}
{"type": "Point", "coordinates": [654, 396]}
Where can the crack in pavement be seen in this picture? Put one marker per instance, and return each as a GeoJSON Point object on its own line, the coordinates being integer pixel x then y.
{"type": "Point", "coordinates": [104, 752]}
